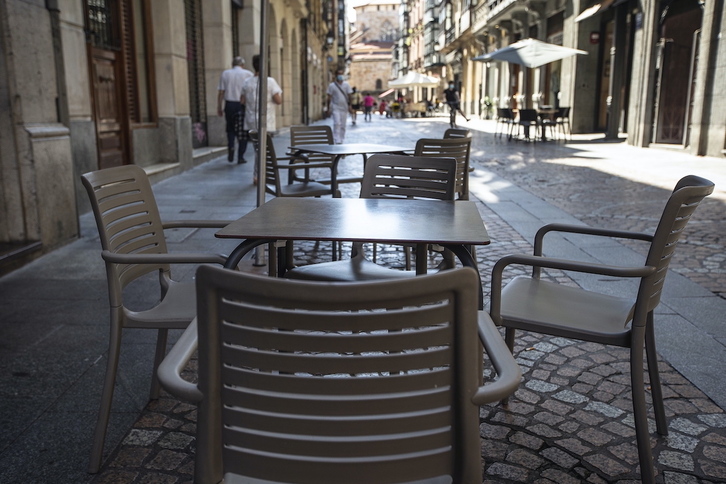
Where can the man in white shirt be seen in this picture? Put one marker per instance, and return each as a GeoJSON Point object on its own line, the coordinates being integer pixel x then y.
{"type": "Point", "coordinates": [229, 105]}
{"type": "Point", "coordinates": [338, 105]}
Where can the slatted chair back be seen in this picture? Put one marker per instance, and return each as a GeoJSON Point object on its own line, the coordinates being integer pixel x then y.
{"type": "Point", "coordinates": [400, 176]}
{"type": "Point", "coordinates": [687, 195]}
{"type": "Point", "coordinates": [309, 382]}
{"type": "Point", "coordinates": [452, 133]}
{"type": "Point", "coordinates": [128, 222]}
{"type": "Point", "coordinates": [457, 148]}
{"type": "Point", "coordinates": [309, 135]}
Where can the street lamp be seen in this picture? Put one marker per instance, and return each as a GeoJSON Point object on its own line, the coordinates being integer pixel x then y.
{"type": "Point", "coordinates": [329, 40]}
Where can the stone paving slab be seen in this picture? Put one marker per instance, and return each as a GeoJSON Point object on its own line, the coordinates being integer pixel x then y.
{"type": "Point", "coordinates": [571, 420]}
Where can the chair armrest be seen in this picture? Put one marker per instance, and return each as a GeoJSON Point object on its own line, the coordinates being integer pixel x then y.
{"type": "Point", "coordinates": [202, 224]}
{"type": "Point", "coordinates": [585, 230]}
{"type": "Point", "coordinates": [300, 166]}
{"type": "Point", "coordinates": [169, 371]}
{"type": "Point", "coordinates": [508, 373]}
{"type": "Point", "coordinates": [570, 265]}
{"type": "Point", "coordinates": [176, 258]}
{"type": "Point", "coordinates": [295, 157]}
{"type": "Point", "coordinates": [551, 263]}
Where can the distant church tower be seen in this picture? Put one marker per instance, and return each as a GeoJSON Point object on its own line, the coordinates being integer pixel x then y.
{"type": "Point", "coordinates": [372, 38]}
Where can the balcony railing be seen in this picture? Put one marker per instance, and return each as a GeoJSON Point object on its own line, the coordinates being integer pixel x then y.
{"type": "Point", "coordinates": [479, 17]}
{"type": "Point", "coordinates": [497, 6]}
{"type": "Point", "coordinates": [450, 35]}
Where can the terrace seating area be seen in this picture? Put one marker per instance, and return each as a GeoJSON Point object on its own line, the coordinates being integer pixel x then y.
{"type": "Point", "coordinates": [571, 416]}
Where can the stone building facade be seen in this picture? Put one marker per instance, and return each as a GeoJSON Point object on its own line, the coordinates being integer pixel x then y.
{"type": "Point", "coordinates": [651, 72]}
{"type": "Point", "coordinates": [90, 84]}
{"type": "Point", "coordinates": [374, 32]}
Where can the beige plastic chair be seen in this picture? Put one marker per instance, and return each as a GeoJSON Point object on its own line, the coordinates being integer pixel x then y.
{"type": "Point", "coordinates": [453, 133]}
{"type": "Point", "coordinates": [387, 176]}
{"type": "Point", "coordinates": [133, 245]}
{"type": "Point", "coordinates": [307, 135]}
{"type": "Point", "coordinates": [457, 148]}
{"type": "Point", "coordinates": [373, 382]}
{"type": "Point", "coordinates": [274, 184]}
{"type": "Point", "coordinates": [532, 304]}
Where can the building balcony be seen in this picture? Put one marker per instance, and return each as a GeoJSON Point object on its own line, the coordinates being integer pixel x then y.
{"type": "Point", "coordinates": [496, 7]}
{"type": "Point", "coordinates": [479, 17]}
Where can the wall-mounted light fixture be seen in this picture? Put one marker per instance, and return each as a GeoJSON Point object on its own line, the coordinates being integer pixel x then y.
{"type": "Point", "coordinates": [329, 39]}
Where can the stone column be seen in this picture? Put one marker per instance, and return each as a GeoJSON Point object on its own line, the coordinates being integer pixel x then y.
{"type": "Point", "coordinates": [217, 22]}
{"type": "Point", "coordinates": [172, 86]}
{"type": "Point", "coordinates": [36, 167]}
{"type": "Point", "coordinates": [642, 89]}
{"type": "Point", "coordinates": [78, 89]}
{"type": "Point", "coordinates": [708, 126]}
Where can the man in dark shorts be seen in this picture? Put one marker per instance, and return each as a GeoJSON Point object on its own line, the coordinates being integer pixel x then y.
{"type": "Point", "coordinates": [452, 99]}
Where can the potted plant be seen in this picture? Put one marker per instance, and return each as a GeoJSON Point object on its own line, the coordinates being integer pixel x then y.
{"type": "Point", "coordinates": [488, 107]}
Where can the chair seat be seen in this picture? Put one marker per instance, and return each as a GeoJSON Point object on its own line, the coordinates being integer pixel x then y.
{"type": "Point", "coordinates": [352, 270]}
{"type": "Point", "coordinates": [570, 312]}
{"type": "Point", "coordinates": [305, 189]}
{"type": "Point", "coordinates": [178, 307]}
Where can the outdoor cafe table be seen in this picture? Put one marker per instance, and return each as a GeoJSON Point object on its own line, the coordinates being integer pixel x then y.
{"type": "Point", "coordinates": [453, 225]}
{"type": "Point", "coordinates": [340, 150]}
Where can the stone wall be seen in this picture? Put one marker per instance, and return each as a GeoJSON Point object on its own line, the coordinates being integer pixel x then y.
{"type": "Point", "coordinates": [36, 167]}
{"type": "Point", "coordinates": [363, 75]}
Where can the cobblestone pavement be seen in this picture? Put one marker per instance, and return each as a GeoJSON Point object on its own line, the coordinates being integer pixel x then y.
{"type": "Point", "coordinates": [571, 420]}
{"type": "Point", "coordinates": [598, 198]}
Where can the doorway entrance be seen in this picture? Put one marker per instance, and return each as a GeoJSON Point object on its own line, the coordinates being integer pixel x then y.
{"type": "Point", "coordinates": [103, 27]}
{"type": "Point", "coordinates": [678, 55]}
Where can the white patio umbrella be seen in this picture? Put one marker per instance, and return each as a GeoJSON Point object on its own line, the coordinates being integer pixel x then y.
{"type": "Point", "coordinates": [530, 53]}
{"type": "Point", "coordinates": [414, 79]}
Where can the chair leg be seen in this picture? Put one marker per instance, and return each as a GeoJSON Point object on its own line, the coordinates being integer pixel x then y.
{"type": "Point", "coordinates": [642, 435]}
{"type": "Point", "coordinates": [509, 341]}
{"type": "Point", "coordinates": [654, 374]}
{"type": "Point", "coordinates": [104, 411]}
{"type": "Point", "coordinates": [161, 340]}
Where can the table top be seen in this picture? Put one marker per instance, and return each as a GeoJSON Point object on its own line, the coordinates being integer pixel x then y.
{"type": "Point", "coordinates": [349, 148]}
{"type": "Point", "coordinates": [394, 221]}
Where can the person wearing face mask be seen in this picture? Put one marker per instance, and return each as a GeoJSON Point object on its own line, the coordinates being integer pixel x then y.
{"type": "Point", "coordinates": [338, 105]}
{"type": "Point", "coordinates": [452, 99]}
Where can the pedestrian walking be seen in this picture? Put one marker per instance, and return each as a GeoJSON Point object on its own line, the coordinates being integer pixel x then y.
{"type": "Point", "coordinates": [249, 99]}
{"type": "Point", "coordinates": [368, 103]}
{"type": "Point", "coordinates": [383, 108]}
{"type": "Point", "coordinates": [355, 103]}
{"type": "Point", "coordinates": [454, 102]}
{"type": "Point", "coordinates": [229, 92]}
{"type": "Point", "coordinates": [338, 105]}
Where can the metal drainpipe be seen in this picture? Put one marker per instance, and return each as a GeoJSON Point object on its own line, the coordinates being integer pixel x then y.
{"type": "Point", "coordinates": [262, 118]}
